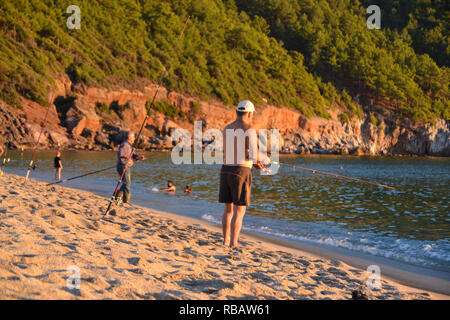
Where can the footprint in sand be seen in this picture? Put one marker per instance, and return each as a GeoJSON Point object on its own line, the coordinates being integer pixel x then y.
{"type": "Point", "coordinates": [134, 261]}
{"type": "Point", "coordinates": [208, 286]}
{"type": "Point", "coordinates": [136, 271]}
{"type": "Point", "coordinates": [260, 277]}
{"type": "Point", "coordinates": [337, 272]}
{"type": "Point", "coordinates": [122, 241]}
{"type": "Point", "coordinates": [203, 242]}
{"type": "Point", "coordinates": [74, 291]}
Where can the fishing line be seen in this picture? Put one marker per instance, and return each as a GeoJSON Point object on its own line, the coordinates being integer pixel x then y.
{"type": "Point", "coordinates": [79, 176]}
{"type": "Point", "coordinates": [32, 164]}
{"type": "Point", "coordinates": [334, 174]}
{"type": "Point", "coordinates": [82, 175]}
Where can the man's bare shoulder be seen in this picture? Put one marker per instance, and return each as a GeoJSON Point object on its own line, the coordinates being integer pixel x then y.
{"type": "Point", "coordinates": [248, 126]}
{"type": "Point", "coordinates": [231, 125]}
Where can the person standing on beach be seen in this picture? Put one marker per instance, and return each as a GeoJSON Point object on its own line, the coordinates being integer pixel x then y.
{"type": "Point", "coordinates": [240, 148]}
{"type": "Point", "coordinates": [3, 162]}
{"type": "Point", "coordinates": [58, 166]}
{"type": "Point", "coordinates": [125, 150]}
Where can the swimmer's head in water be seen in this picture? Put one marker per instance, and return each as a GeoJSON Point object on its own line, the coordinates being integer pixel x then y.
{"type": "Point", "coordinates": [169, 183]}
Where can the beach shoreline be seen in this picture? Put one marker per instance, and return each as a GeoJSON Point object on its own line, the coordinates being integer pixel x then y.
{"type": "Point", "coordinates": [416, 277]}
{"type": "Point", "coordinates": [178, 257]}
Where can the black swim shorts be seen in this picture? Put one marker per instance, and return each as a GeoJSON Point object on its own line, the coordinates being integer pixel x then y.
{"type": "Point", "coordinates": [235, 185]}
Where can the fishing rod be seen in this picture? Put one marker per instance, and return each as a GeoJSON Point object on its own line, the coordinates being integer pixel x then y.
{"type": "Point", "coordinates": [334, 174]}
{"type": "Point", "coordinates": [142, 126]}
{"type": "Point", "coordinates": [80, 176]}
{"type": "Point", "coordinates": [32, 164]}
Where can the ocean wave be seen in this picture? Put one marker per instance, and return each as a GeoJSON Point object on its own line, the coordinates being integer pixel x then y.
{"type": "Point", "coordinates": [426, 254]}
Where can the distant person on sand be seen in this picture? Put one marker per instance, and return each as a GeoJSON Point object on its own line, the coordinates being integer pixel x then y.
{"type": "Point", "coordinates": [170, 187]}
{"type": "Point", "coordinates": [2, 164]}
{"type": "Point", "coordinates": [187, 189]}
{"type": "Point", "coordinates": [125, 150]}
{"type": "Point", "coordinates": [236, 172]}
{"type": "Point", "coordinates": [58, 166]}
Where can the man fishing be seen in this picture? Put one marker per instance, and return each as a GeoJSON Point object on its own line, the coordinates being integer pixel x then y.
{"type": "Point", "coordinates": [123, 154]}
{"type": "Point", "coordinates": [240, 147]}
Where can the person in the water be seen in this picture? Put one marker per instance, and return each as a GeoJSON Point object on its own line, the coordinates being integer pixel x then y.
{"type": "Point", "coordinates": [170, 187]}
{"type": "Point", "coordinates": [187, 189]}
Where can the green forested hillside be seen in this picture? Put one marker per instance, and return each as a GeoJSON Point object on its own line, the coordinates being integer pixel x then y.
{"type": "Point", "coordinates": [380, 65]}
{"type": "Point", "coordinates": [302, 54]}
{"type": "Point", "coordinates": [425, 25]}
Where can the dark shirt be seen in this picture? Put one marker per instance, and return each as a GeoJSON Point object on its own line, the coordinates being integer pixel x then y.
{"type": "Point", "coordinates": [57, 162]}
{"type": "Point", "coordinates": [124, 152]}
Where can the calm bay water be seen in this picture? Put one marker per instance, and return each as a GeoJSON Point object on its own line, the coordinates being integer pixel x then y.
{"type": "Point", "coordinates": [410, 224]}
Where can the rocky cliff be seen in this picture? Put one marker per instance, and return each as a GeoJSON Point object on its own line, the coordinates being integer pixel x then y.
{"type": "Point", "coordinates": [86, 118]}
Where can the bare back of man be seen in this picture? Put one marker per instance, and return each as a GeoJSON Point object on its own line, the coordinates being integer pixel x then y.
{"type": "Point", "coordinates": [240, 154]}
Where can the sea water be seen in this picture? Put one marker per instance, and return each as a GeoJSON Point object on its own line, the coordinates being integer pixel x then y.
{"type": "Point", "coordinates": [410, 224]}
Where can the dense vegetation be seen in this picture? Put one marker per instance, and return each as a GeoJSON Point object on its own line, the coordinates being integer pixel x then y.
{"type": "Point", "coordinates": [379, 65]}
{"type": "Point", "coordinates": [425, 25]}
{"type": "Point", "coordinates": [302, 54]}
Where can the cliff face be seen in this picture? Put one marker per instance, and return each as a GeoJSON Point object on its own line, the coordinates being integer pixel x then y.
{"type": "Point", "coordinates": [95, 118]}
{"type": "Point", "coordinates": [361, 136]}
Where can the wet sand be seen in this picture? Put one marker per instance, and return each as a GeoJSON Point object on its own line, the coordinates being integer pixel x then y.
{"type": "Point", "coordinates": [139, 253]}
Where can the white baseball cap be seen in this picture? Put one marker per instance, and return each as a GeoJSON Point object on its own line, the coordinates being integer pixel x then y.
{"type": "Point", "coordinates": [245, 106]}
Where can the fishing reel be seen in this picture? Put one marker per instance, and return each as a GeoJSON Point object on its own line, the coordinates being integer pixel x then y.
{"type": "Point", "coordinates": [269, 169]}
{"type": "Point", "coordinates": [258, 166]}
{"type": "Point", "coordinates": [266, 169]}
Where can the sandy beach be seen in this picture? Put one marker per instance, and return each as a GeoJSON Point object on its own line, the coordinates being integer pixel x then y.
{"type": "Point", "coordinates": [138, 253]}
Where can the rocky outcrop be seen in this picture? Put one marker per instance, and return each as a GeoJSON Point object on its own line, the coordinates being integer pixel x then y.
{"type": "Point", "coordinates": [81, 117]}
{"type": "Point", "coordinates": [86, 118]}
{"type": "Point", "coordinates": [23, 128]}
{"type": "Point", "coordinates": [361, 136]}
